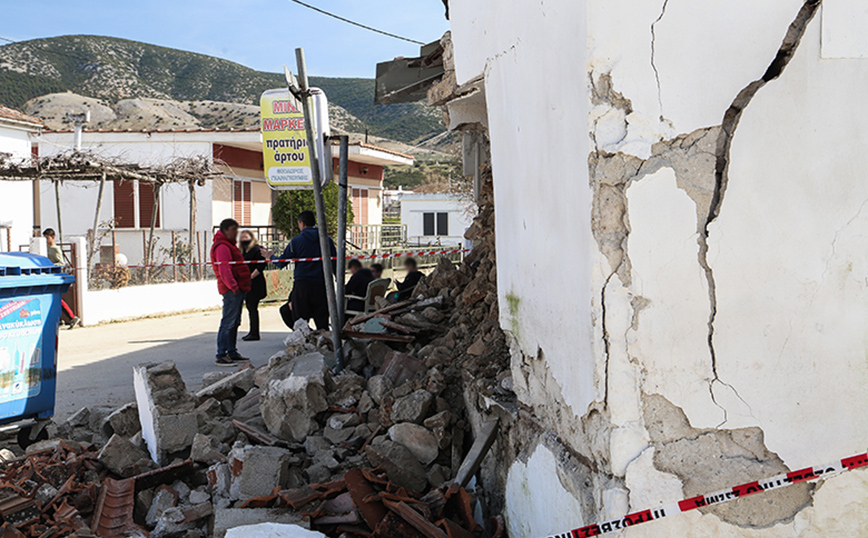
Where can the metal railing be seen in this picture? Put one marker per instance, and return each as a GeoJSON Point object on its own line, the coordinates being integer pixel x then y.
{"type": "Point", "coordinates": [377, 236]}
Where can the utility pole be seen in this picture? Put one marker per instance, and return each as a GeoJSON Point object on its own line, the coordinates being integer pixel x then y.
{"type": "Point", "coordinates": [320, 210]}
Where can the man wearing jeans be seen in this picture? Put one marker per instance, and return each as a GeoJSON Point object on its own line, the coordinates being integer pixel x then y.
{"type": "Point", "coordinates": [233, 282]}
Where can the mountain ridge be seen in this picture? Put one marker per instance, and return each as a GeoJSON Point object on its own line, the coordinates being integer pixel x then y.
{"type": "Point", "coordinates": [123, 73]}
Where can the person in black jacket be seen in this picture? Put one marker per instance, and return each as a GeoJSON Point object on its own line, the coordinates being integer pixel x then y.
{"type": "Point", "coordinates": [357, 285]}
{"type": "Point", "coordinates": [308, 298]}
{"type": "Point", "coordinates": [252, 252]}
{"type": "Point", "coordinates": [414, 275]}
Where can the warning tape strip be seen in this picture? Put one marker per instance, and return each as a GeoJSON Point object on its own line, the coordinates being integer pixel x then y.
{"type": "Point", "coordinates": [302, 260]}
{"type": "Point", "coordinates": [723, 496]}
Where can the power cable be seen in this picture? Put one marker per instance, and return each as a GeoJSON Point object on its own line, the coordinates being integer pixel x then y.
{"type": "Point", "coordinates": [354, 23]}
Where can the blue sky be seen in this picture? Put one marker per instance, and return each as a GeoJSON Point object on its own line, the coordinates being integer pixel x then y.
{"type": "Point", "coordinates": [256, 33]}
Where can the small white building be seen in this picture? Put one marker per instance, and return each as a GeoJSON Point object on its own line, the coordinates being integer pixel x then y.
{"type": "Point", "coordinates": [16, 197]}
{"type": "Point", "coordinates": [436, 218]}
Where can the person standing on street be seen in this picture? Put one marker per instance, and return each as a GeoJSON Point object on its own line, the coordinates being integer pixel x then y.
{"type": "Point", "coordinates": [233, 283]}
{"type": "Point", "coordinates": [308, 298]}
{"type": "Point", "coordinates": [252, 252]}
{"type": "Point", "coordinates": [55, 256]}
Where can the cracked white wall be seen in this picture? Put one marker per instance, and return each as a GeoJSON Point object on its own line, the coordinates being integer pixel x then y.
{"type": "Point", "coordinates": [715, 258]}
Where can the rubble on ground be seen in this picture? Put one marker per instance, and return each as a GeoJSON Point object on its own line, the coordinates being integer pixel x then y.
{"type": "Point", "coordinates": [381, 447]}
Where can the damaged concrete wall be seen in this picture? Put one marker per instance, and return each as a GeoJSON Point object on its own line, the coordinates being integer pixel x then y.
{"type": "Point", "coordinates": [685, 283]}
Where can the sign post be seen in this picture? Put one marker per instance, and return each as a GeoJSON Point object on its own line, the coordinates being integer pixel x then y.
{"type": "Point", "coordinates": [343, 187]}
{"type": "Point", "coordinates": [334, 308]}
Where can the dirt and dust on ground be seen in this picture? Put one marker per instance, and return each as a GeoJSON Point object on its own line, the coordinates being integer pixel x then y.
{"type": "Point", "coordinates": [383, 448]}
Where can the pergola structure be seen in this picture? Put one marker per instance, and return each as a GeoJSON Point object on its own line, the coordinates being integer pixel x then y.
{"type": "Point", "coordinates": [85, 166]}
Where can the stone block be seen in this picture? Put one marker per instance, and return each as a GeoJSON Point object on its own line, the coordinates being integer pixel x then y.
{"type": "Point", "coordinates": [413, 407]}
{"type": "Point", "coordinates": [418, 440]}
{"type": "Point", "coordinates": [401, 466]}
{"type": "Point", "coordinates": [123, 458]}
{"type": "Point", "coordinates": [257, 470]}
{"type": "Point", "coordinates": [294, 394]}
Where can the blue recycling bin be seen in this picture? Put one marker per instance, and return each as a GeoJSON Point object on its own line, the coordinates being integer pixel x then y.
{"type": "Point", "coordinates": [30, 291]}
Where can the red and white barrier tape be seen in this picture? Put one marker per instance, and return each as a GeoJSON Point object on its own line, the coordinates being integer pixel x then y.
{"type": "Point", "coordinates": [297, 260]}
{"type": "Point", "coordinates": [737, 492]}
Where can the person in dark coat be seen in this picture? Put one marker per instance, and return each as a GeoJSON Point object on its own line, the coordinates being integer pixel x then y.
{"type": "Point", "coordinates": [308, 299]}
{"type": "Point", "coordinates": [357, 285]}
{"type": "Point", "coordinates": [252, 252]}
{"type": "Point", "coordinates": [414, 275]}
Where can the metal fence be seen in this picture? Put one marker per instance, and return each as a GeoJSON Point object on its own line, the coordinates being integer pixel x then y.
{"type": "Point", "coordinates": [122, 258]}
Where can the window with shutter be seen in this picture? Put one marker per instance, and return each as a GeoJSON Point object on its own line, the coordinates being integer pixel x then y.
{"type": "Point", "coordinates": [238, 201]}
{"type": "Point", "coordinates": [247, 192]}
{"type": "Point", "coordinates": [125, 204]}
{"type": "Point", "coordinates": [427, 223]}
{"type": "Point", "coordinates": [442, 223]}
{"type": "Point", "coordinates": [146, 205]}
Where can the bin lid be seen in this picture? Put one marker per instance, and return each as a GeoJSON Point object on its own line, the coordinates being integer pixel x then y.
{"type": "Point", "coordinates": [23, 268]}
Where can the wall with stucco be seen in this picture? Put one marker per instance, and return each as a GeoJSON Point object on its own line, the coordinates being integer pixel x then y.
{"type": "Point", "coordinates": [698, 166]}
{"type": "Point", "coordinates": [16, 197]}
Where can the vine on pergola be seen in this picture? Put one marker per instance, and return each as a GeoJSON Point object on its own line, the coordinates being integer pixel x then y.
{"type": "Point", "coordinates": [87, 166]}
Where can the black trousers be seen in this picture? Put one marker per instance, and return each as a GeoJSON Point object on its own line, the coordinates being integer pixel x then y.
{"type": "Point", "coordinates": [252, 304]}
{"type": "Point", "coordinates": [309, 301]}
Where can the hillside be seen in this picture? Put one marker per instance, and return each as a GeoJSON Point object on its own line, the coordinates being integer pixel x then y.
{"type": "Point", "coordinates": [120, 73]}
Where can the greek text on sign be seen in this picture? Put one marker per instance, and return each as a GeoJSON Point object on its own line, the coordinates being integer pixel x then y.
{"type": "Point", "coordinates": [285, 151]}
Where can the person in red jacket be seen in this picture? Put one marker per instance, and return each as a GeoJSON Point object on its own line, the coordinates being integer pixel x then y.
{"type": "Point", "coordinates": [233, 282]}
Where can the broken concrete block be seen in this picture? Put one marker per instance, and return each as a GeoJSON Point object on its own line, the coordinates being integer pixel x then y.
{"type": "Point", "coordinates": [209, 378]}
{"type": "Point", "coordinates": [294, 394]}
{"type": "Point", "coordinates": [219, 479]}
{"type": "Point", "coordinates": [233, 385]}
{"type": "Point", "coordinates": [418, 440]}
{"type": "Point", "coordinates": [400, 367]}
{"type": "Point", "coordinates": [164, 498]}
{"type": "Point", "coordinates": [257, 470]}
{"type": "Point", "coordinates": [177, 520]}
{"type": "Point", "coordinates": [343, 420]}
{"type": "Point", "coordinates": [376, 352]}
{"type": "Point", "coordinates": [124, 458]}
{"type": "Point", "coordinates": [210, 408]}
{"type": "Point", "coordinates": [318, 474]}
{"type": "Point", "coordinates": [166, 410]}
{"type": "Point", "coordinates": [241, 520]}
{"type": "Point", "coordinates": [316, 443]}
{"type": "Point", "coordinates": [247, 408]}
{"type": "Point", "coordinates": [401, 466]}
{"type": "Point", "coordinates": [124, 421]}
{"type": "Point", "coordinates": [298, 336]}
{"type": "Point", "coordinates": [342, 435]}
{"type": "Point", "coordinates": [379, 386]}
{"type": "Point", "coordinates": [205, 449]}
{"type": "Point", "coordinates": [365, 402]}
{"type": "Point", "coordinates": [198, 496]}
{"type": "Point", "coordinates": [413, 407]}
{"type": "Point", "coordinates": [345, 390]}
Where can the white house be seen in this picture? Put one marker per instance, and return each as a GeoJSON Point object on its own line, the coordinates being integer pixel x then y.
{"type": "Point", "coordinates": [16, 197]}
{"type": "Point", "coordinates": [240, 193]}
{"type": "Point", "coordinates": [435, 218]}
{"type": "Point", "coordinates": [693, 174]}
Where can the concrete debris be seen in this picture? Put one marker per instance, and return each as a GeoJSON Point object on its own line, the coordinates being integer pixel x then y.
{"type": "Point", "coordinates": [295, 391]}
{"type": "Point", "coordinates": [125, 459]}
{"type": "Point", "coordinates": [166, 409]}
{"type": "Point", "coordinates": [287, 446]}
{"type": "Point", "coordinates": [257, 470]}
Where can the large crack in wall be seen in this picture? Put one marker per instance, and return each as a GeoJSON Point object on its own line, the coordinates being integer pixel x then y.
{"type": "Point", "coordinates": [703, 459]}
{"type": "Point", "coordinates": [731, 119]}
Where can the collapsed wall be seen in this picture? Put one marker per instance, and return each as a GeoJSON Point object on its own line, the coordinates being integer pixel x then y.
{"type": "Point", "coordinates": [682, 287]}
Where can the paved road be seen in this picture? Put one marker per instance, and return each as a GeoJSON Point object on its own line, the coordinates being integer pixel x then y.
{"type": "Point", "coordinates": [96, 363]}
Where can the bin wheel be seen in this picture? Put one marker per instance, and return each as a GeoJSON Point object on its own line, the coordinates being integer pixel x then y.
{"type": "Point", "coordinates": [24, 440]}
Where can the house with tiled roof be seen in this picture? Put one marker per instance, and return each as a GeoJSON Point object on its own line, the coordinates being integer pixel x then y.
{"type": "Point", "coordinates": [16, 197]}
{"type": "Point", "coordinates": [241, 192]}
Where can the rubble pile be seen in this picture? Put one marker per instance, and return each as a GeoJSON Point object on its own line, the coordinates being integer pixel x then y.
{"type": "Point", "coordinates": [380, 445]}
